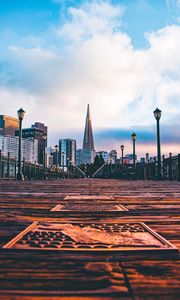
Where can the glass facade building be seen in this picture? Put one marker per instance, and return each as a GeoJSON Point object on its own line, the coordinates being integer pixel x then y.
{"type": "Point", "coordinates": [67, 152]}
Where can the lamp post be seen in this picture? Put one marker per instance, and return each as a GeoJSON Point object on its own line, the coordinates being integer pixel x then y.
{"type": "Point", "coordinates": [56, 148]}
{"type": "Point", "coordinates": [157, 115]}
{"type": "Point", "coordinates": [63, 160]}
{"type": "Point", "coordinates": [20, 114]}
{"type": "Point", "coordinates": [133, 136]}
{"type": "Point", "coordinates": [44, 155]}
{"type": "Point", "coordinates": [122, 152]}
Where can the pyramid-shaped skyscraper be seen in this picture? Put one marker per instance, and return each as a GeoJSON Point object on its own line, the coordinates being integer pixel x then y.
{"type": "Point", "coordinates": [88, 142]}
{"type": "Point", "coordinates": [88, 152]}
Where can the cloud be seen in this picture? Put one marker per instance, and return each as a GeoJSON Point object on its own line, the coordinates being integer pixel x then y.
{"type": "Point", "coordinates": [90, 59]}
{"type": "Point", "coordinates": [96, 17]}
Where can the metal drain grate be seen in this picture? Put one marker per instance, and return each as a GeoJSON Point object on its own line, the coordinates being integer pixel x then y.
{"type": "Point", "coordinates": [89, 207]}
{"type": "Point", "coordinates": [89, 237]}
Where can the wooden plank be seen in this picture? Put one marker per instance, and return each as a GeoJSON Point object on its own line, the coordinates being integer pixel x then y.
{"type": "Point", "coordinates": [40, 276]}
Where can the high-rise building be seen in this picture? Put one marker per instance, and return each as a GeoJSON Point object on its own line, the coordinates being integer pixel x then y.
{"type": "Point", "coordinates": [67, 152]}
{"type": "Point", "coordinates": [49, 157]}
{"type": "Point", "coordinates": [41, 127]}
{"type": "Point", "coordinates": [8, 125]}
{"type": "Point", "coordinates": [38, 131]}
{"type": "Point", "coordinates": [88, 142]}
{"type": "Point", "coordinates": [9, 144]}
{"type": "Point", "coordinates": [147, 157]}
{"type": "Point", "coordinates": [88, 152]}
{"type": "Point", "coordinates": [79, 157]}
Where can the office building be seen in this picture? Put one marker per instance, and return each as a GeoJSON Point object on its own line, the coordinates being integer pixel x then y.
{"type": "Point", "coordinates": [48, 157]}
{"type": "Point", "coordinates": [79, 157]}
{"type": "Point", "coordinates": [67, 152]}
{"type": "Point", "coordinates": [41, 127]}
{"type": "Point", "coordinates": [38, 133]}
{"type": "Point", "coordinates": [88, 153]}
{"type": "Point", "coordinates": [9, 144]}
{"type": "Point", "coordinates": [8, 125]}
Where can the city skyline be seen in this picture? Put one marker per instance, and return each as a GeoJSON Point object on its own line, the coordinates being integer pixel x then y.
{"type": "Point", "coordinates": [121, 57]}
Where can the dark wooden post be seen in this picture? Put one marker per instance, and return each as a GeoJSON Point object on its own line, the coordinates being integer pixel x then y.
{"type": "Point", "coordinates": [145, 172]}
{"type": "Point", "coordinates": [148, 172]}
{"type": "Point", "coordinates": [8, 167]}
{"type": "Point", "coordinates": [30, 170]}
{"type": "Point", "coordinates": [15, 166]}
{"type": "Point", "coordinates": [178, 165]}
{"type": "Point", "coordinates": [24, 166]}
{"type": "Point", "coordinates": [156, 170]}
{"type": "Point", "coordinates": [170, 166]}
{"type": "Point", "coordinates": [163, 157]}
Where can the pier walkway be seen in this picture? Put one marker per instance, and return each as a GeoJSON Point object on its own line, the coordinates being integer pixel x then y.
{"type": "Point", "coordinates": [74, 273]}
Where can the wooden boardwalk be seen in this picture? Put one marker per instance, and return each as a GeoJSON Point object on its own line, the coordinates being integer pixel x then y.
{"type": "Point", "coordinates": [54, 275]}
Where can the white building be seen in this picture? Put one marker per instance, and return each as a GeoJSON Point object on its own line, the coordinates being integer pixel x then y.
{"type": "Point", "coordinates": [49, 156]}
{"type": "Point", "coordinates": [29, 147]}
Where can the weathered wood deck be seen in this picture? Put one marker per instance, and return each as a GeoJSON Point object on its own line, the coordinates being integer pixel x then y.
{"type": "Point", "coordinates": [45, 275]}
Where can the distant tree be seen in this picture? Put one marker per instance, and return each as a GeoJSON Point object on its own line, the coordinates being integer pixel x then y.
{"type": "Point", "coordinates": [97, 162]}
{"type": "Point", "coordinates": [101, 159]}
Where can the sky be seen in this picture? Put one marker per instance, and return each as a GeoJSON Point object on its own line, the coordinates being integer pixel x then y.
{"type": "Point", "coordinates": [122, 57]}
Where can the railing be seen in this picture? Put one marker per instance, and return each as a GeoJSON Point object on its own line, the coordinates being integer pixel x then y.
{"type": "Point", "coordinates": [8, 170]}
{"type": "Point", "coordinates": [170, 170]}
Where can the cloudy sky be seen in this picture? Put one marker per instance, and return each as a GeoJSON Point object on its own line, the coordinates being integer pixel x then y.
{"type": "Point", "coordinates": [122, 57]}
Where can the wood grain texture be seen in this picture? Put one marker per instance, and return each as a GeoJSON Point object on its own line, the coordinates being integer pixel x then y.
{"type": "Point", "coordinates": [37, 275]}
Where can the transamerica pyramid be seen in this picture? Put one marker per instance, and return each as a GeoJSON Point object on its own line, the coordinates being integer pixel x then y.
{"type": "Point", "coordinates": [88, 142]}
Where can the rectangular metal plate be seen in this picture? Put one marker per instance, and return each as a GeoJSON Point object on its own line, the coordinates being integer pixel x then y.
{"type": "Point", "coordinates": [89, 237]}
{"type": "Point", "coordinates": [89, 207]}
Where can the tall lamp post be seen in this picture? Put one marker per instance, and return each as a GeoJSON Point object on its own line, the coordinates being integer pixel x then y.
{"type": "Point", "coordinates": [157, 115]}
{"type": "Point", "coordinates": [63, 160]}
{"type": "Point", "coordinates": [133, 136]}
{"type": "Point", "coordinates": [56, 148]}
{"type": "Point", "coordinates": [122, 153]}
{"type": "Point", "coordinates": [44, 154]}
{"type": "Point", "coordinates": [20, 114]}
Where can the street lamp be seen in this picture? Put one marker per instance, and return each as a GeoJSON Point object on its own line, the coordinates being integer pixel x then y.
{"type": "Point", "coordinates": [157, 115]}
{"type": "Point", "coordinates": [44, 137]}
{"type": "Point", "coordinates": [20, 114]}
{"type": "Point", "coordinates": [122, 150]}
{"type": "Point", "coordinates": [56, 148]}
{"type": "Point", "coordinates": [63, 160]}
{"type": "Point", "coordinates": [133, 136]}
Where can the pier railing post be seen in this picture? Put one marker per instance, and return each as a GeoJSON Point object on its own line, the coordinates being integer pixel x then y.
{"type": "Point", "coordinates": [178, 167]}
{"type": "Point", "coordinates": [0, 165]}
{"type": "Point", "coordinates": [163, 167]}
{"type": "Point", "coordinates": [170, 166]}
{"type": "Point", "coordinates": [8, 167]}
